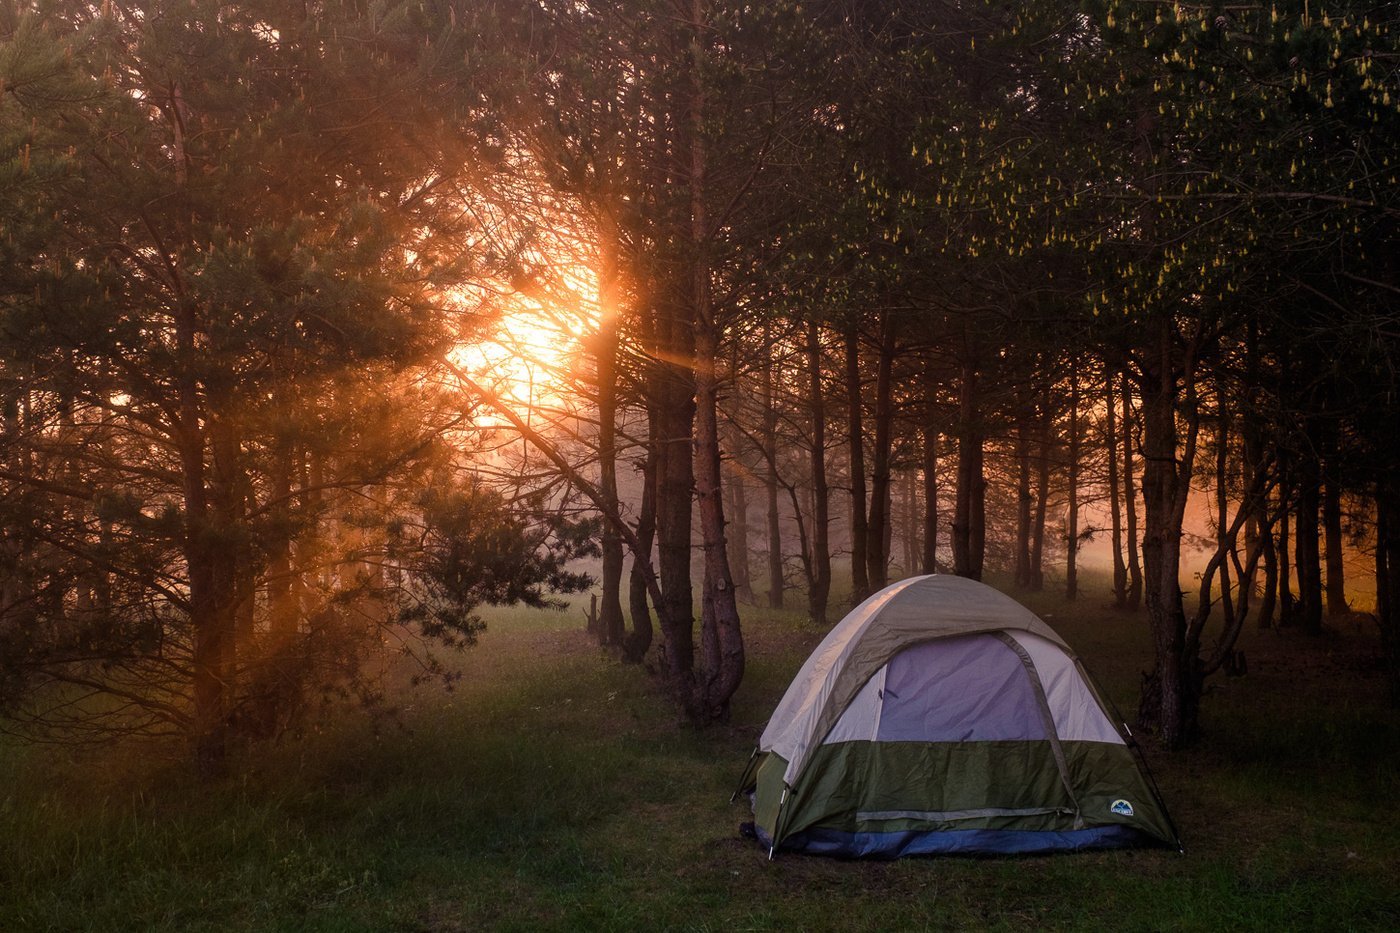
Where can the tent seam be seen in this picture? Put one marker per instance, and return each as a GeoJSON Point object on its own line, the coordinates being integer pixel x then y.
{"type": "Point", "coordinates": [1048, 718]}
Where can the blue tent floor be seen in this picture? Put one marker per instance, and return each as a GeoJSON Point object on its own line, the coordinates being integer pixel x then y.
{"type": "Point", "coordinates": [958, 842]}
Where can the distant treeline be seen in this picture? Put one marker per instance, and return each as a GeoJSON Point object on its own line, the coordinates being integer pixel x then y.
{"type": "Point", "coordinates": [1021, 258]}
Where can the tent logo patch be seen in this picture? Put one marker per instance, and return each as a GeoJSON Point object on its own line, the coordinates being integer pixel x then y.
{"type": "Point", "coordinates": [1121, 807]}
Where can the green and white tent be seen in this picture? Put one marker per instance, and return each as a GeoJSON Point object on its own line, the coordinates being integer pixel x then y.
{"type": "Point", "coordinates": [942, 716]}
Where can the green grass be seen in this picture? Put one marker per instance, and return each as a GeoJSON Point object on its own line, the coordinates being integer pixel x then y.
{"type": "Point", "coordinates": [554, 790]}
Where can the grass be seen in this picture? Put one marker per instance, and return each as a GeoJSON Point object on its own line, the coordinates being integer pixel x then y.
{"type": "Point", "coordinates": [554, 790]}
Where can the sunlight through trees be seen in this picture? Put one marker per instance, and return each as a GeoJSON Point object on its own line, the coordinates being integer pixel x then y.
{"type": "Point", "coordinates": [323, 324]}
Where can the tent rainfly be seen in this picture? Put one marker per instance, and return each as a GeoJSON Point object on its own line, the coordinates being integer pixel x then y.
{"type": "Point", "coordinates": [941, 716]}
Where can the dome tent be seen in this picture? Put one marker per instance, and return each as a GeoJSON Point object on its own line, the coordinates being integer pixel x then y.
{"type": "Point", "coordinates": [942, 716]}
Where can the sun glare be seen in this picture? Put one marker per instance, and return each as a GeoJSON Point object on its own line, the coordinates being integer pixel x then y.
{"type": "Point", "coordinates": [545, 302]}
{"type": "Point", "coordinates": [529, 358]}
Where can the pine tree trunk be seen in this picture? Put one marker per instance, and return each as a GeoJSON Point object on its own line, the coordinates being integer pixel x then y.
{"type": "Point", "coordinates": [887, 544]}
{"type": "Point", "coordinates": [1023, 494]}
{"type": "Point", "coordinates": [228, 494]}
{"type": "Point", "coordinates": [770, 478]}
{"type": "Point", "coordinates": [721, 641]}
{"type": "Point", "coordinates": [1332, 525]}
{"type": "Point", "coordinates": [1171, 694]}
{"type": "Point", "coordinates": [930, 436]}
{"type": "Point", "coordinates": [969, 509]}
{"type": "Point", "coordinates": [610, 620]}
{"type": "Point", "coordinates": [282, 604]}
{"type": "Point", "coordinates": [737, 492]}
{"type": "Point", "coordinates": [1222, 502]}
{"type": "Point", "coordinates": [1042, 498]}
{"type": "Point", "coordinates": [639, 638]}
{"type": "Point", "coordinates": [1306, 558]}
{"type": "Point", "coordinates": [1268, 603]}
{"type": "Point", "coordinates": [245, 623]}
{"type": "Point", "coordinates": [911, 524]}
{"type": "Point", "coordinates": [210, 596]}
{"type": "Point", "coordinates": [1120, 570]}
{"type": "Point", "coordinates": [819, 594]}
{"type": "Point", "coordinates": [1259, 529]}
{"type": "Point", "coordinates": [738, 537]}
{"type": "Point", "coordinates": [878, 530]}
{"type": "Point", "coordinates": [674, 487]}
{"type": "Point", "coordinates": [1285, 536]}
{"type": "Point", "coordinates": [855, 441]}
{"type": "Point", "coordinates": [1072, 520]}
{"type": "Point", "coordinates": [1134, 545]}
{"type": "Point", "coordinates": [213, 600]}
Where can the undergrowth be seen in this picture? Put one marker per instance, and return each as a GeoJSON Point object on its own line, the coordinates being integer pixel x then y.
{"type": "Point", "coordinates": [555, 789]}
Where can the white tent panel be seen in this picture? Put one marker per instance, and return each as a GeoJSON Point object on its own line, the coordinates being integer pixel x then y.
{"type": "Point", "coordinates": [789, 732]}
{"type": "Point", "coordinates": [861, 720]}
{"type": "Point", "coordinates": [1077, 715]}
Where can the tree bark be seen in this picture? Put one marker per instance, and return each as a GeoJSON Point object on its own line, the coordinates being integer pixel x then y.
{"type": "Point", "coordinates": [675, 487]}
{"type": "Point", "coordinates": [1135, 582]}
{"type": "Point", "coordinates": [739, 521]}
{"type": "Point", "coordinates": [639, 638]}
{"type": "Point", "coordinates": [1285, 536]}
{"type": "Point", "coordinates": [282, 604]}
{"type": "Point", "coordinates": [228, 496]}
{"type": "Point", "coordinates": [1332, 525]}
{"type": "Point", "coordinates": [1268, 602]}
{"type": "Point", "coordinates": [770, 478]}
{"type": "Point", "coordinates": [721, 640]}
{"type": "Point", "coordinates": [1260, 527]}
{"type": "Point", "coordinates": [1234, 604]}
{"type": "Point", "coordinates": [820, 591]}
{"type": "Point", "coordinates": [1305, 540]}
{"type": "Point", "coordinates": [1120, 570]}
{"type": "Point", "coordinates": [213, 601]}
{"type": "Point", "coordinates": [911, 524]}
{"type": "Point", "coordinates": [855, 439]}
{"type": "Point", "coordinates": [210, 577]}
{"type": "Point", "coordinates": [610, 620]}
{"type": "Point", "coordinates": [1072, 521]}
{"type": "Point", "coordinates": [1024, 500]}
{"type": "Point", "coordinates": [1171, 695]}
{"type": "Point", "coordinates": [1223, 538]}
{"type": "Point", "coordinates": [878, 530]}
{"type": "Point", "coordinates": [930, 436]}
{"type": "Point", "coordinates": [1042, 498]}
{"type": "Point", "coordinates": [969, 529]}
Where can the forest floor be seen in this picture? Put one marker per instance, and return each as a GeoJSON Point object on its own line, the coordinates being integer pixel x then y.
{"type": "Point", "coordinates": [554, 790]}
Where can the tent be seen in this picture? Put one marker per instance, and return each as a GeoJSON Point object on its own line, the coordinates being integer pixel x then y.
{"type": "Point", "coordinates": [943, 716]}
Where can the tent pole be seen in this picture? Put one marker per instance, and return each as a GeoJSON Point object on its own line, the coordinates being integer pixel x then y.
{"type": "Point", "coordinates": [744, 778]}
{"type": "Point", "coordinates": [778, 823]}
